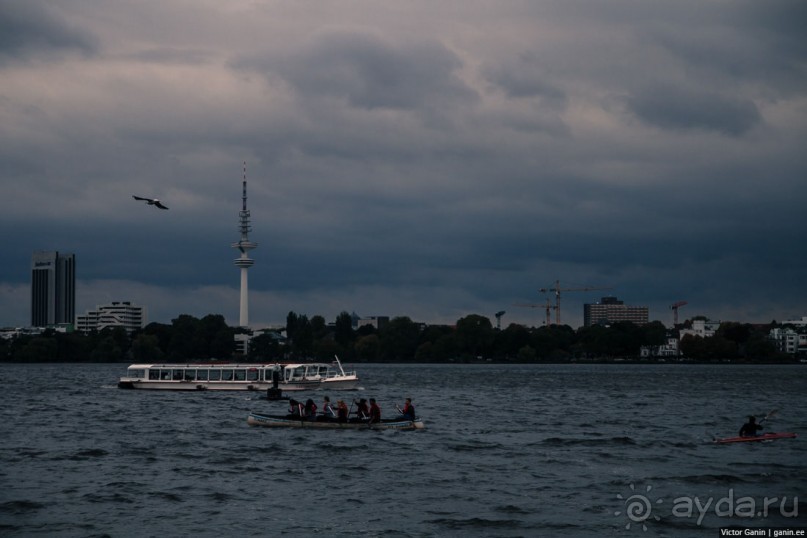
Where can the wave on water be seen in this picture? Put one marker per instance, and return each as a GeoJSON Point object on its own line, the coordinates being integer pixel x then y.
{"type": "Point", "coordinates": [473, 446]}
{"type": "Point", "coordinates": [20, 507]}
{"type": "Point", "coordinates": [565, 441]}
{"type": "Point", "coordinates": [477, 523]}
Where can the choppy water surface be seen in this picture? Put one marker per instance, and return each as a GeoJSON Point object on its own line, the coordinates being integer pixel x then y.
{"type": "Point", "coordinates": [546, 450]}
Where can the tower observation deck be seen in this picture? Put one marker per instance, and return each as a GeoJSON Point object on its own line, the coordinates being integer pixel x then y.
{"type": "Point", "coordinates": [244, 245]}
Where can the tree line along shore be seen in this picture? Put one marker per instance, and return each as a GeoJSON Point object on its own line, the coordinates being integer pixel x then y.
{"type": "Point", "coordinates": [471, 339]}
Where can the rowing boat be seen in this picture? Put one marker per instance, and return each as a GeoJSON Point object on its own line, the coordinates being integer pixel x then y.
{"type": "Point", "coordinates": [284, 421]}
{"type": "Point", "coordinates": [753, 438]}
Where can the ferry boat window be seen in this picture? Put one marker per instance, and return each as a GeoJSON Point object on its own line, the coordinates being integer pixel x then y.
{"type": "Point", "coordinates": [201, 375]}
{"type": "Point", "coordinates": [176, 375]}
{"type": "Point", "coordinates": [240, 375]}
{"type": "Point", "coordinates": [226, 375]}
{"type": "Point", "coordinates": [165, 375]}
{"type": "Point", "coordinates": [296, 374]}
{"type": "Point", "coordinates": [215, 375]}
{"type": "Point", "coordinates": [154, 374]}
{"type": "Point", "coordinates": [138, 373]}
{"type": "Point", "coordinates": [252, 374]}
{"type": "Point", "coordinates": [190, 375]}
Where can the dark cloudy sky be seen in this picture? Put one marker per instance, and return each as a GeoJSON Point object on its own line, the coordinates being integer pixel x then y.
{"type": "Point", "coordinates": [419, 158]}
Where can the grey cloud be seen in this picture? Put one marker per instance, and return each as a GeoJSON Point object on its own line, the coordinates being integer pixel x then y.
{"type": "Point", "coordinates": [524, 77]}
{"type": "Point", "coordinates": [369, 72]}
{"type": "Point", "coordinates": [30, 28]}
{"type": "Point", "coordinates": [668, 107]}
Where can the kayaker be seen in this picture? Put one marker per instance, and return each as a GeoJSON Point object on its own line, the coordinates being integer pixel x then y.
{"type": "Point", "coordinates": [408, 410]}
{"type": "Point", "coordinates": [375, 411]}
{"type": "Point", "coordinates": [751, 427]}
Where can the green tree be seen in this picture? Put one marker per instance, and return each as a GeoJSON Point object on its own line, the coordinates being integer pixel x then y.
{"type": "Point", "coordinates": [399, 339]}
{"type": "Point", "coordinates": [368, 348]}
{"type": "Point", "coordinates": [146, 348]}
{"type": "Point", "coordinates": [300, 334]}
{"type": "Point", "coordinates": [510, 341]}
{"type": "Point", "coordinates": [325, 349]}
{"type": "Point", "coordinates": [552, 342]}
{"type": "Point", "coordinates": [654, 334]}
{"type": "Point", "coordinates": [162, 332]}
{"type": "Point", "coordinates": [527, 354]}
{"type": "Point", "coordinates": [343, 331]}
{"type": "Point", "coordinates": [218, 338]}
{"type": "Point", "coordinates": [107, 350]}
{"type": "Point", "coordinates": [319, 327]}
{"type": "Point", "coordinates": [265, 347]}
{"type": "Point", "coordinates": [760, 347]}
{"type": "Point", "coordinates": [735, 332]}
{"type": "Point", "coordinates": [72, 347]}
{"type": "Point", "coordinates": [474, 335]}
{"type": "Point", "coordinates": [591, 341]}
{"type": "Point", "coordinates": [186, 343]}
{"type": "Point", "coordinates": [37, 349]}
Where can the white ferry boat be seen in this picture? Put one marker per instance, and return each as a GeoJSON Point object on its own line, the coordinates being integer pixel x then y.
{"type": "Point", "coordinates": [231, 376]}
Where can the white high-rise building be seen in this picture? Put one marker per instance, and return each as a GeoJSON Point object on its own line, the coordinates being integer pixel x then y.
{"type": "Point", "coordinates": [116, 314]}
{"type": "Point", "coordinates": [244, 245]}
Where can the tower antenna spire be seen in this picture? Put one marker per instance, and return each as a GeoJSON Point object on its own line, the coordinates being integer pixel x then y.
{"type": "Point", "coordinates": [244, 196]}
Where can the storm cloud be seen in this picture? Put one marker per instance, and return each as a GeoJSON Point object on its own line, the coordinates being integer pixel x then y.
{"type": "Point", "coordinates": [420, 159]}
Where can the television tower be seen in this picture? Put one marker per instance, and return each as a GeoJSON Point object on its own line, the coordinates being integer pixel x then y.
{"type": "Point", "coordinates": [244, 245]}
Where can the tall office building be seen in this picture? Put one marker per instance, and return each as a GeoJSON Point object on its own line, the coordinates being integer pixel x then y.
{"type": "Point", "coordinates": [610, 310]}
{"type": "Point", "coordinates": [53, 288]}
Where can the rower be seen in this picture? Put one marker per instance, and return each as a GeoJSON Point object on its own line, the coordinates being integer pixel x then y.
{"type": "Point", "coordinates": [361, 411]}
{"type": "Point", "coordinates": [375, 412]}
{"type": "Point", "coordinates": [327, 409]}
{"type": "Point", "coordinates": [408, 411]}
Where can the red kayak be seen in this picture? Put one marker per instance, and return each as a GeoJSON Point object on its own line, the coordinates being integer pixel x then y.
{"type": "Point", "coordinates": [763, 437]}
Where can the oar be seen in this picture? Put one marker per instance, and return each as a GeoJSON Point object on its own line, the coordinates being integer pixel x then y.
{"type": "Point", "coordinates": [769, 415]}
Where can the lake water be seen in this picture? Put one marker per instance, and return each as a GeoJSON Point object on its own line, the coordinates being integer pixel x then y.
{"type": "Point", "coordinates": [536, 450]}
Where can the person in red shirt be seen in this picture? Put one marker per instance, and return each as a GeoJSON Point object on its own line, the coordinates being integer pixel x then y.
{"type": "Point", "coordinates": [327, 410]}
{"type": "Point", "coordinates": [375, 411]}
{"type": "Point", "coordinates": [310, 410]}
{"type": "Point", "coordinates": [295, 409]}
{"type": "Point", "coordinates": [341, 411]}
{"type": "Point", "coordinates": [361, 411]}
{"type": "Point", "coordinates": [408, 410]}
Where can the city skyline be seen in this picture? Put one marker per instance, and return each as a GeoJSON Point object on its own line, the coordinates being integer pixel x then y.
{"type": "Point", "coordinates": [413, 160]}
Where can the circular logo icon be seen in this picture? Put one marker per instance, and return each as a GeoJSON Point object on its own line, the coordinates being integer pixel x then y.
{"type": "Point", "coordinates": [638, 507]}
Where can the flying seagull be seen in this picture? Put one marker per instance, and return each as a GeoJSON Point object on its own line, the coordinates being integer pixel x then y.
{"type": "Point", "coordinates": [150, 201]}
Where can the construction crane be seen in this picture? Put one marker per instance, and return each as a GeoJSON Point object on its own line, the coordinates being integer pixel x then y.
{"type": "Point", "coordinates": [548, 307]}
{"type": "Point", "coordinates": [675, 306]}
{"type": "Point", "coordinates": [499, 318]}
{"type": "Point", "coordinates": [557, 289]}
